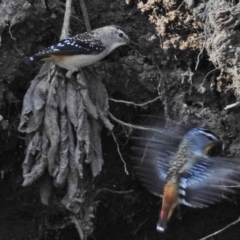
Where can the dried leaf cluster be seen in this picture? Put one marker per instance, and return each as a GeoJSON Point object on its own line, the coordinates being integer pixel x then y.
{"type": "Point", "coordinates": [62, 119]}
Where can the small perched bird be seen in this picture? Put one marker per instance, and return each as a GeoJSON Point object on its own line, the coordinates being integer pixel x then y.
{"type": "Point", "coordinates": [83, 49]}
{"type": "Point", "coordinates": [178, 167]}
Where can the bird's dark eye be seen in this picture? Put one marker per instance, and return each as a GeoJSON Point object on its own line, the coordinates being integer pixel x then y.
{"type": "Point", "coordinates": [120, 35]}
{"type": "Point", "coordinates": [210, 138]}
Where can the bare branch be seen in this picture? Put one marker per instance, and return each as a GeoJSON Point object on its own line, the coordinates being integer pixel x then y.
{"type": "Point", "coordinates": [85, 15]}
{"type": "Point", "coordinates": [114, 191]}
{"type": "Point", "coordinates": [78, 227]}
{"type": "Point", "coordinates": [180, 5]}
{"type": "Point", "coordinates": [201, 88]}
{"type": "Point", "coordinates": [140, 225]}
{"type": "Point", "coordinates": [217, 232]}
{"type": "Point", "coordinates": [203, 46]}
{"type": "Point", "coordinates": [232, 105]}
{"type": "Point", "coordinates": [134, 126]}
{"type": "Point", "coordinates": [66, 22]}
{"type": "Point", "coordinates": [135, 104]}
{"type": "Point", "coordinates": [118, 149]}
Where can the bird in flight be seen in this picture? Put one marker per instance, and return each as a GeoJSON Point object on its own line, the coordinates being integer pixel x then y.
{"type": "Point", "coordinates": [176, 164]}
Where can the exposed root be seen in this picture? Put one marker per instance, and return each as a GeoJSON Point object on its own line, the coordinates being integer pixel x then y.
{"type": "Point", "coordinates": [85, 15]}
{"type": "Point", "coordinates": [135, 104]}
{"type": "Point", "coordinates": [219, 231]}
{"type": "Point", "coordinates": [119, 152]}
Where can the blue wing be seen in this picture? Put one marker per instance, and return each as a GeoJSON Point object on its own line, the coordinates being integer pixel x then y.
{"type": "Point", "coordinates": [208, 181]}
{"type": "Point", "coordinates": [152, 150]}
{"type": "Point", "coordinates": [205, 183]}
{"type": "Point", "coordinates": [151, 168]}
{"type": "Point", "coordinates": [68, 47]}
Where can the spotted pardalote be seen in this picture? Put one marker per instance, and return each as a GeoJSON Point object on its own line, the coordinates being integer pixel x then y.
{"type": "Point", "coordinates": [177, 165]}
{"type": "Point", "coordinates": [83, 49]}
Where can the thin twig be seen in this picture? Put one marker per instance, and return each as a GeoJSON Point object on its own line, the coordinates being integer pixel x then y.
{"type": "Point", "coordinates": [93, 236]}
{"type": "Point", "coordinates": [232, 105]}
{"type": "Point", "coordinates": [85, 15]}
{"type": "Point", "coordinates": [118, 149]}
{"type": "Point", "coordinates": [135, 126]}
{"type": "Point", "coordinates": [114, 191]}
{"type": "Point", "coordinates": [10, 29]}
{"type": "Point", "coordinates": [180, 5]}
{"type": "Point", "coordinates": [66, 21]}
{"type": "Point", "coordinates": [135, 104]}
{"type": "Point", "coordinates": [201, 86]}
{"type": "Point", "coordinates": [18, 194]}
{"type": "Point", "coordinates": [208, 74]}
{"type": "Point", "coordinates": [77, 225]}
{"type": "Point", "coordinates": [140, 225]}
{"type": "Point", "coordinates": [204, 43]}
{"type": "Point", "coordinates": [229, 225]}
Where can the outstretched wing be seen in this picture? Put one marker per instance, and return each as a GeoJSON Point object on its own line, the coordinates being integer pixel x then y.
{"type": "Point", "coordinates": [80, 44]}
{"type": "Point", "coordinates": [152, 150]}
{"type": "Point", "coordinates": [205, 183]}
{"type": "Point", "coordinates": [208, 181]}
{"type": "Point", "coordinates": [151, 168]}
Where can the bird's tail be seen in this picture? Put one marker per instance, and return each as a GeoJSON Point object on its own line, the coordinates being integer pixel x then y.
{"type": "Point", "coordinates": [162, 222]}
{"type": "Point", "coordinates": [170, 201]}
{"type": "Point", "coordinates": [28, 60]}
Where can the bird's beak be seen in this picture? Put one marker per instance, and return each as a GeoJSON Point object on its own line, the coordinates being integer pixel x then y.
{"type": "Point", "coordinates": [217, 145]}
{"type": "Point", "coordinates": [131, 43]}
{"type": "Point", "coordinates": [208, 148]}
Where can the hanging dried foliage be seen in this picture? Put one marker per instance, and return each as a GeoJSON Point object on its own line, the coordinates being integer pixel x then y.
{"type": "Point", "coordinates": [62, 119]}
